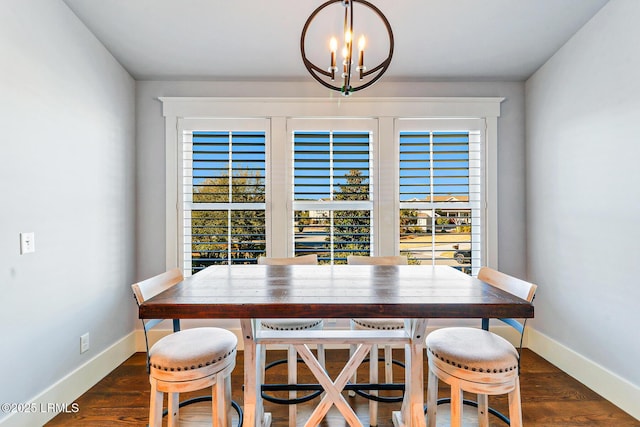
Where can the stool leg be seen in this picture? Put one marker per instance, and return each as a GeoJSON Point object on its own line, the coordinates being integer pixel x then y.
{"type": "Point", "coordinates": [322, 360]}
{"type": "Point", "coordinates": [373, 379]}
{"type": "Point", "coordinates": [173, 409]}
{"type": "Point", "coordinates": [515, 408]}
{"type": "Point", "coordinates": [456, 404]}
{"type": "Point", "coordinates": [388, 364]}
{"type": "Point", "coordinates": [483, 410]}
{"type": "Point", "coordinates": [354, 378]}
{"type": "Point", "coordinates": [432, 398]}
{"type": "Point", "coordinates": [321, 356]}
{"type": "Point", "coordinates": [263, 359]}
{"type": "Point", "coordinates": [215, 404]}
{"type": "Point", "coordinates": [221, 401]}
{"type": "Point", "coordinates": [155, 405]}
{"type": "Point", "coordinates": [227, 398]}
{"type": "Point", "coordinates": [292, 364]}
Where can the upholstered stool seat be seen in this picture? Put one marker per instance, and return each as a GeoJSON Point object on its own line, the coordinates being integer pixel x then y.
{"type": "Point", "coordinates": [382, 324]}
{"type": "Point", "coordinates": [195, 353]}
{"type": "Point", "coordinates": [291, 324]}
{"type": "Point", "coordinates": [472, 350]}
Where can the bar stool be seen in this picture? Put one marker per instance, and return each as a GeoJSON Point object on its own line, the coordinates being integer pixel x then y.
{"type": "Point", "coordinates": [187, 360]}
{"type": "Point", "coordinates": [292, 325]}
{"type": "Point", "coordinates": [478, 361]}
{"type": "Point", "coordinates": [380, 324]}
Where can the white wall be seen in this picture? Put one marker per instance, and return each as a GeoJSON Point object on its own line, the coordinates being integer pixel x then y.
{"type": "Point", "coordinates": [67, 115]}
{"type": "Point", "coordinates": [151, 153]}
{"type": "Point", "coordinates": [583, 147]}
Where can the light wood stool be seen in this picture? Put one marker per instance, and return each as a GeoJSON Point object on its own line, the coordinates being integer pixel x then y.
{"type": "Point", "coordinates": [477, 360]}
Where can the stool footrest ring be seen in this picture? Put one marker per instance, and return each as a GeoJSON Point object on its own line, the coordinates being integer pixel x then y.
{"type": "Point", "coordinates": [500, 415]}
{"type": "Point", "coordinates": [199, 399]}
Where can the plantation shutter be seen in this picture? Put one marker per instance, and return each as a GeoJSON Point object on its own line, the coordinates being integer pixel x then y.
{"type": "Point", "coordinates": [332, 192]}
{"type": "Point", "coordinates": [223, 197]}
{"type": "Point", "coordinates": [440, 196]}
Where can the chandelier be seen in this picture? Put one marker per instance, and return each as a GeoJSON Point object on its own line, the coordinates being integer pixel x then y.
{"type": "Point", "coordinates": [327, 76]}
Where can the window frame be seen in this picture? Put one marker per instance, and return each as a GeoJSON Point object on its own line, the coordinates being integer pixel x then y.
{"type": "Point", "coordinates": [278, 110]}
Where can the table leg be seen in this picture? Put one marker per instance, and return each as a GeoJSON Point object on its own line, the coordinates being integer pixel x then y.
{"type": "Point", "coordinates": [253, 411]}
{"type": "Point", "coordinates": [412, 411]}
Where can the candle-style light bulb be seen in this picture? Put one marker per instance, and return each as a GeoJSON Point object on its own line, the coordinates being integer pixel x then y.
{"type": "Point", "coordinates": [333, 47]}
{"type": "Point", "coordinates": [361, 43]}
{"type": "Point", "coordinates": [345, 56]}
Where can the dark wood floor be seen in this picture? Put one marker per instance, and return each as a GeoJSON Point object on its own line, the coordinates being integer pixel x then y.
{"type": "Point", "coordinates": [549, 398]}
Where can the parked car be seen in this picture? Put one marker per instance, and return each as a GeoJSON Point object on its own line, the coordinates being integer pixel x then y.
{"type": "Point", "coordinates": [462, 254]}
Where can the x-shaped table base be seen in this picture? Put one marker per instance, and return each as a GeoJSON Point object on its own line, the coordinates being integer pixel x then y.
{"type": "Point", "coordinates": [412, 337]}
{"type": "Point", "coordinates": [333, 389]}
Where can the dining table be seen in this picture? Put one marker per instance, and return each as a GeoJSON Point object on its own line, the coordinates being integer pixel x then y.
{"type": "Point", "coordinates": [415, 293]}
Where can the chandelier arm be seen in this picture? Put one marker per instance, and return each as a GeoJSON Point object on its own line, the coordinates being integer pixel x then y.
{"type": "Point", "coordinates": [384, 65]}
{"type": "Point", "coordinates": [325, 84]}
{"type": "Point", "coordinates": [316, 68]}
{"type": "Point", "coordinates": [349, 59]}
{"type": "Point", "coordinates": [308, 64]}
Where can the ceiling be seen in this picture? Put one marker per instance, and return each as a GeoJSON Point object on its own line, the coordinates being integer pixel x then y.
{"type": "Point", "coordinates": [260, 39]}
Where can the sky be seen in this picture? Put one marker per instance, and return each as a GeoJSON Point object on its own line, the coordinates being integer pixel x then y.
{"type": "Point", "coordinates": [350, 151]}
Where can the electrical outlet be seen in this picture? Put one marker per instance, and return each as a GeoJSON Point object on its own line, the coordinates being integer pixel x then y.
{"type": "Point", "coordinates": [27, 243]}
{"type": "Point", "coordinates": [84, 343]}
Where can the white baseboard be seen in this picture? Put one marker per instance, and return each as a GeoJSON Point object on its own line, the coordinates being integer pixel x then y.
{"type": "Point", "coordinates": [612, 387]}
{"type": "Point", "coordinates": [61, 395]}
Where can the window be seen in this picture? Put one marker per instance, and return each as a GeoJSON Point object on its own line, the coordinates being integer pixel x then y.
{"type": "Point", "coordinates": [224, 197]}
{"type": "Point", "coordinates": [440, 193]}
{"type": "Point", "coordinates": [332, 191]}
{"type": "Point", "coordinates": [285, 177]}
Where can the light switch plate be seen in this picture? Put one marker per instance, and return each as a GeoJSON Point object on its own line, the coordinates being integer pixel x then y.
{"type": "Point", "coordinates": [84, 343]}
{"type": "Point", "coordinates": [27, 243]}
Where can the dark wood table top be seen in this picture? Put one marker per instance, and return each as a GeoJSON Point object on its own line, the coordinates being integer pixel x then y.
{"type": "Point", "coordinates": [333, 291]}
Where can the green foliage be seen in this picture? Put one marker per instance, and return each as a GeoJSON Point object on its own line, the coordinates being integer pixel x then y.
{"type": "Point", "coordinates": [408, 221]}
{"type": "Point", "coordinates": [246, 187]}
{"type": "Point", "coordinates": [352, 228]}
{"type": "Point", "coordinates": [303, 220]}
{"type": "Point", "coordinates": [218, 235]}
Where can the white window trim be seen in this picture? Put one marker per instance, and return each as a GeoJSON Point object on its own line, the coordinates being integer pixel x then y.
{"type": "Point", "coordinates": [279, 109]}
